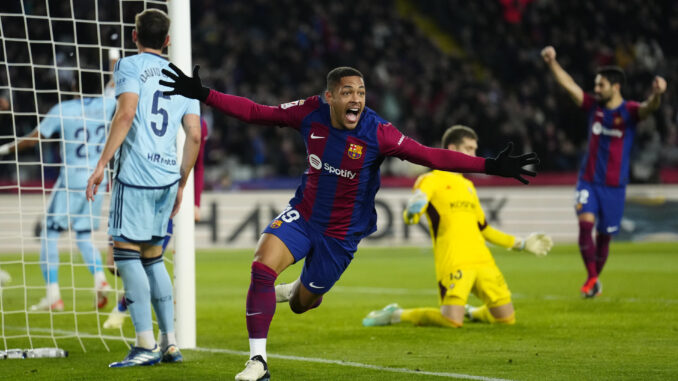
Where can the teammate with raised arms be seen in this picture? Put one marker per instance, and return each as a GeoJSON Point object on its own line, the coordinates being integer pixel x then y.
{"type": "Point", "coordinates": [601, 188]}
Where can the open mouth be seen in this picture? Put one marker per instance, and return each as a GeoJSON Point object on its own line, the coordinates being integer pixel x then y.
{"type": "Point", "coordinates": [352, 114]}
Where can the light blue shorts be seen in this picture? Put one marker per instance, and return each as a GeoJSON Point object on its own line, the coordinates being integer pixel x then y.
{"type": "Point", "coordinates": [140, 214]}
{"type": "Point", "coordinates": [69, 207]}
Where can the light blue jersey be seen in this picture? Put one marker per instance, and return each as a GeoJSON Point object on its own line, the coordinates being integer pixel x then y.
{"type": "Point", "coordinates": [82, 125]}
{"type": "Point", "coordinates": [148, 156]}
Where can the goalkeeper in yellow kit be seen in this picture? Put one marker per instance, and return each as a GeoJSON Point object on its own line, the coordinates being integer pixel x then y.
{"type": "Point", "coordinates": [463, 262]}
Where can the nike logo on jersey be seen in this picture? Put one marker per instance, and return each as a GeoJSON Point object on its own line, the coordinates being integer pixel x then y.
{"type": "Point", "coordinates": [314, 136]}
{"type": "Point", "coordinates": [612, 229]}
{"type": "Point", "coordinates": [314, 286]}
{"type": "Point", "coordinates": [253, 313]}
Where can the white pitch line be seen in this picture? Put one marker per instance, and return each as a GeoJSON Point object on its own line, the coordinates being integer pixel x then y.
{"type": "Point", "coordinates": [357, 365]}
{"type": "Point", "coordinates": [283, 357]}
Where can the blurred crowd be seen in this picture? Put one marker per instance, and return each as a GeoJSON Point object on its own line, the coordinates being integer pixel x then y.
{"type": "Point", "coordinates": [470, 62]}
{"type": "Point", "coordinates": [492, 78]}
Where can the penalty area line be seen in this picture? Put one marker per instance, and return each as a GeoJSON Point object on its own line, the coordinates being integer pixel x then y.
{"type": "Point", "coordinates": [354, 365]}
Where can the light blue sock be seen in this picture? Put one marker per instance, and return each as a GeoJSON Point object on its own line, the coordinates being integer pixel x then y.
{"type": "Point", "coordinates": [90, 254]}
{"type": "Point", "coordinates": [161, 292]}
{"type": "Point", "coordinates": [137, 289]}
{"type": "Point", "coordinates": [49, 255]}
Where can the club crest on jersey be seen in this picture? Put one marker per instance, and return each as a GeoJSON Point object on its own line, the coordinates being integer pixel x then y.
{"type": "Point", "coordinates": [276, 224]}
{"type": "Point", "coordinates": [355, 151]}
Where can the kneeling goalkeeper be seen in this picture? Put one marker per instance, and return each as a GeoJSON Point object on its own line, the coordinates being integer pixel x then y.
{"type": "Point", "coordinates": [463, 262]}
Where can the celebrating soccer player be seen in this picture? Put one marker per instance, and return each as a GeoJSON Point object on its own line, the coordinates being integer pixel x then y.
{"type": "Point", "coordinates": [463, 262]}
{"type": "Point", "coordinates": [148, 185]}
{"type": "Point", "coordinates": [601, 188]}
{"type": "Point", "coordinates": [82, 124]}
{"type": "Point", "coordinates": [333, 208]}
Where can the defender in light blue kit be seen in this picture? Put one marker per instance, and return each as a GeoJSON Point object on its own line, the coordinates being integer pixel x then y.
{"type": "Point", "coordinates": [148, 187]}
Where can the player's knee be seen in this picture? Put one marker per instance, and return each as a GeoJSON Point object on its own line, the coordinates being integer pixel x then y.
{"type": "Point", "coordinates": [508, 320]}
{"type": "Point", "coordinates": [454, 323]}
{"type": "Point", "coordinates": [451, 319]}
{"type": "Point", "coordinates": [297, 307]}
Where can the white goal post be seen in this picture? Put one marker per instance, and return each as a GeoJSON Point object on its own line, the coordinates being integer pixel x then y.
{"type": "Point", "coordinates": [184, 238]}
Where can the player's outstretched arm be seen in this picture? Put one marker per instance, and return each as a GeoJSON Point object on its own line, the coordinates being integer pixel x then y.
{"type": "Point", "coordinates": [120, 126]}
{"type": "Point", "coordinates": [652, 103]}
{"type": "Point", "coordinates": [562, 77]}
{"type": "Point", "coordinates": [393, 143]}
{"type": "Point", "coordinates": [21, 144]}
{"type": "Point", "coordinates": [506, 165]}
{"type": "Point", "coordinates": [238, 107]}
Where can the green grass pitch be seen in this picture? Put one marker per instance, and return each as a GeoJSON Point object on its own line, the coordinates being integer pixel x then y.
{"type": "Point", "coordinates": [629, 332]}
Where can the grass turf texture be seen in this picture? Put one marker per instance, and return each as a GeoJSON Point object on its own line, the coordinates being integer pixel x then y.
{"type": "Point", "coordinates": [629, 332]}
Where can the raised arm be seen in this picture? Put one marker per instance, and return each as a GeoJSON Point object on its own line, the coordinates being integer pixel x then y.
{"type": "Point", "coordinates": [652, 103]}
{"type": "Point", "coordinates": [562, 77]}
{"type": "Point", "coordinates": [120, 126]}
{"type": "Point", "coordinates": [238, 107]}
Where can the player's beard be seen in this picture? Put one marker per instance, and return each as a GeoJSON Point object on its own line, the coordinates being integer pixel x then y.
{"type": "Point", "coordinates": [602, 99]}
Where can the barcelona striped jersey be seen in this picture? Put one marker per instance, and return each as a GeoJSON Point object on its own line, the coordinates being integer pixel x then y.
{"type": "Point", "coordinates": [611, 134]}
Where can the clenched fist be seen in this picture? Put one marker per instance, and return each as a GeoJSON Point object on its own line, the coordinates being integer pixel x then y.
{"type": "Point", "coordinates": [548, 54]}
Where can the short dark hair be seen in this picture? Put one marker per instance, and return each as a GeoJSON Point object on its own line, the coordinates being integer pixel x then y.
{"type": "Point", "coordinates": [614, 74]}
{"type": "Point", "coordinates": [335, 75]}
{"type": "Point", "coordinates": [456, 134]}
{"type": "Point", "coordinates": [152, 26]}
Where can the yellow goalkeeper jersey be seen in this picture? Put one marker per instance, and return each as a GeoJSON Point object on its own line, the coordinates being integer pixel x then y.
{"type": "Point", "coordinates": [457, 222]}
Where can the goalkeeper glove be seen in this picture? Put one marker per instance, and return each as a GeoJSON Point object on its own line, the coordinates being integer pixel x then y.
{"type": "Point", "coordinates": [410, 219]}
{"type": "Point", "coordinates": [506, 165]}
{"type": "Point", "coordinates": [537, 243]}
{"type": "Point", "coordinates": [184, 85]}
{"type": "Point", "coordinates": [415, 206]}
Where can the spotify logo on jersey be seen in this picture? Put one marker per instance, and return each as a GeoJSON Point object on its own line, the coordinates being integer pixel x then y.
{"type": "Point", "coordinates": [315, 161]}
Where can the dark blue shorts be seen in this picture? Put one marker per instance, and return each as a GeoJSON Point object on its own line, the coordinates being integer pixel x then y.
{"type": "Point", "coordinates": [605, 202]}
{"type": "Point", "coordinates": [326, 257]}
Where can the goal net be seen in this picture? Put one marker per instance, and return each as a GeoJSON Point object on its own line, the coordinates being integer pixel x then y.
{"type": "Point", "coordinates": [52, 52]}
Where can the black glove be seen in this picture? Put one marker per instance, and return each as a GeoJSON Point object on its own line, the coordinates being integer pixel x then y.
{"type": "Point", "coordinates": [506, 165]}
{"type": "Point", "coordinates": [183, 85]}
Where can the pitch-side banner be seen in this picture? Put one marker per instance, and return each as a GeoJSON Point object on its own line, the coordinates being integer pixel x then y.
{"type": "Point", "coordinates": [235, 220]}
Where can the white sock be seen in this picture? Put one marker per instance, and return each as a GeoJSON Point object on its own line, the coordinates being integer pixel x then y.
{"type": "Point", "coordinates": [258, 347]}
{"type": "Point", "coordinates": [166, 339]}
{"type": "Point", "coordinates": [99, 278]}
{"type": "Point", "coordinates": [53, 293]}
{"type": "Point", "coordinates": [145, 340]}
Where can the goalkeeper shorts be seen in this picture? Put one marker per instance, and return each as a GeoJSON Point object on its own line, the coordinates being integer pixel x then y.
{"type": "Point", "coordinates": [485, 281]}
{"type": "Point", "coordinates": [326, 257]}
